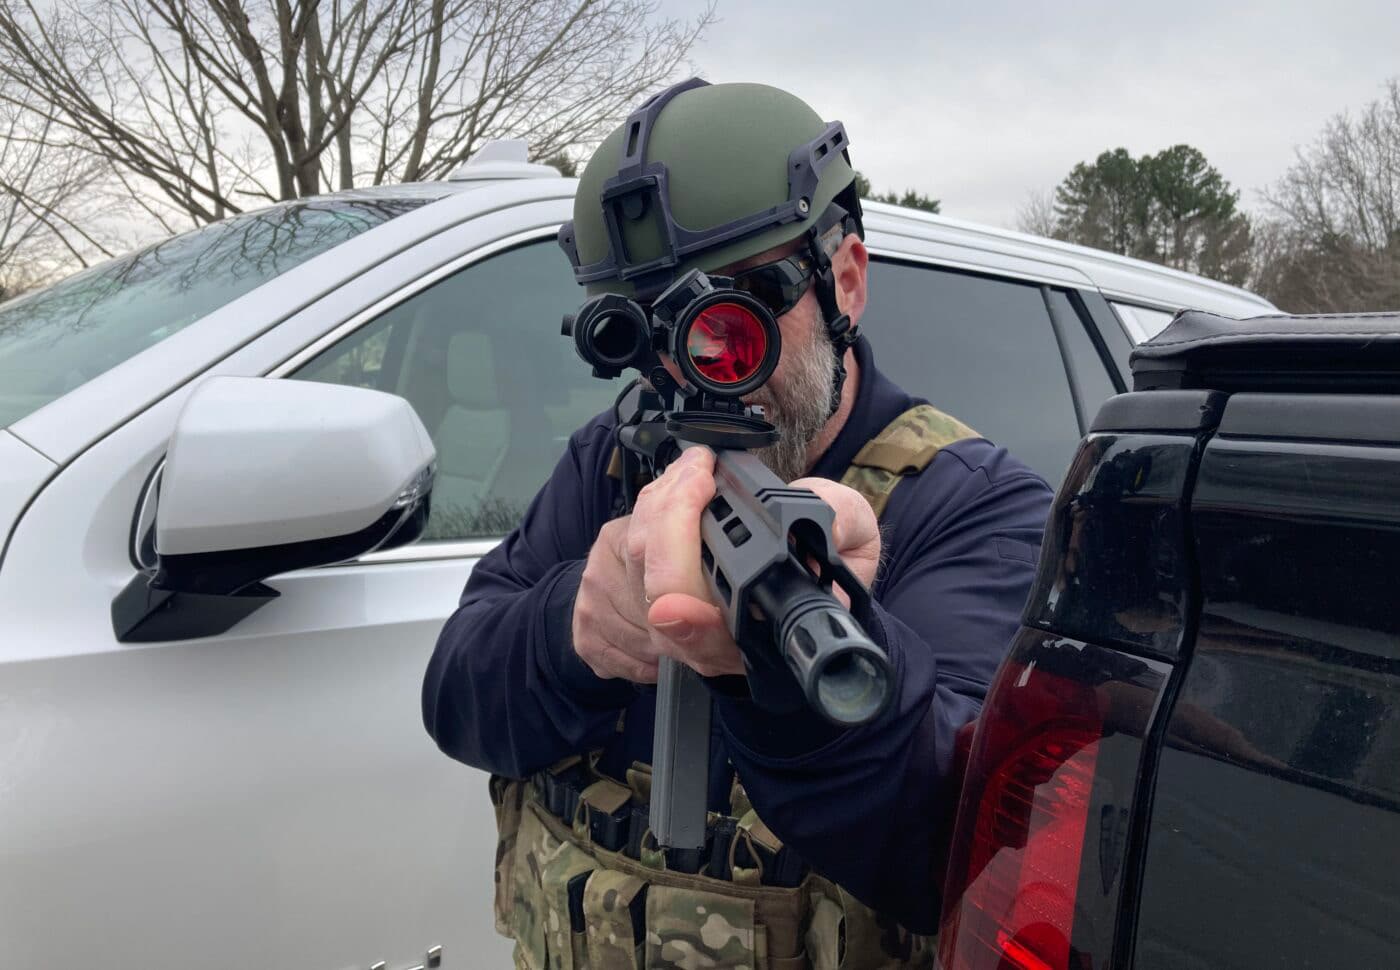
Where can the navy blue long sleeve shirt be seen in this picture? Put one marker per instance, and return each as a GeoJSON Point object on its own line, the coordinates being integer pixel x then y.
{"type": "Point", "coordinates": [869, 808]}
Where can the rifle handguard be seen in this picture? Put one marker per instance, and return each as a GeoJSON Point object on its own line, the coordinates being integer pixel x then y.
{"type": "Point", "coordinates": [800, 644]}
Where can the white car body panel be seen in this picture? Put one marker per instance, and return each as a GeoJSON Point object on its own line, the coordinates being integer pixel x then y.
{"type": "Point", "coordinates": [268, 797]}
{"type": "Point", "coordinates": [23, 472]}
{"type": "Point", "coordinates": [211, 829]}
{"type": "Point", "coordinates": [376, 622]}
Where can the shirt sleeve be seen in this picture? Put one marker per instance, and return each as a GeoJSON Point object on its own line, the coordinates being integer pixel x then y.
{"type": "Point", "coordinates": [871, 808]}
{"type": "Point", "coordinates": [504, 690]}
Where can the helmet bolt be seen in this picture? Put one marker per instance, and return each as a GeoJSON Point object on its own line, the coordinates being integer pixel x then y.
{"type": "Point", "coordinates": [803, 207]}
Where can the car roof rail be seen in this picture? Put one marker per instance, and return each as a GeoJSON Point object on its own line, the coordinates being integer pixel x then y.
{"type": "Point", "coordinates": [503, 158]}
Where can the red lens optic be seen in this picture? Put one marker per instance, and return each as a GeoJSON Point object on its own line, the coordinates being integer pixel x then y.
{"type": "Point", "coordinates": [726, 343]}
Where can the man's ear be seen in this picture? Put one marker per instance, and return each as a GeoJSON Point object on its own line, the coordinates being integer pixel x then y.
{"type": "Point", "coordinates": [848, 267]}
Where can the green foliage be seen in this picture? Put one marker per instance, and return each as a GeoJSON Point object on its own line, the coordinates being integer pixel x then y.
{"type": "Point", "coordinates": [1172, 208]}
{"type": "Point", "coordinates": [1102, 204]}
{"type": "Point", "coordinates": [910, 199]}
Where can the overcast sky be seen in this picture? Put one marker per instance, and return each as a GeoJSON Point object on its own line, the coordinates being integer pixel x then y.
{"type": "Point", "coordinates": [980, 103]}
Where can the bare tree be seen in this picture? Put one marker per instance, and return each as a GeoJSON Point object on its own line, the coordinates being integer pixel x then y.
{"type": "Point", "coordinates": [1347, 183]}
{"type": "Point", "coordinates": [206, 107]}
{"type": "Point", "coordinates": [1037, 215]}
{"type": "Point", "coordinates": [1334, 242]}
{"type": "Point", "coordinates": [47, 210]}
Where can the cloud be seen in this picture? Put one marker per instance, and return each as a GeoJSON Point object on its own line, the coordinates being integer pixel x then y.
{"type": "Point", "coordinates": [981, 104]}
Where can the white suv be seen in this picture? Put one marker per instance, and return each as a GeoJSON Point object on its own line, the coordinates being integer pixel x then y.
{"type": "Point", "coordinates": [266, 796]}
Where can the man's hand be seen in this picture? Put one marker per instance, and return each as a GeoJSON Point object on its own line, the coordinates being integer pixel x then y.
{"type": "Point", "coordinates": [610, 618]}
{"type": "Point", "coordinates": [644, 594]}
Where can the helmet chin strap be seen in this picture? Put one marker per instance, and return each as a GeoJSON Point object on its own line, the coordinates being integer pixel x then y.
{"type": "Point", "coordinates": [839, 329]}
{"type": "Point", "coordinates": [842, 335]}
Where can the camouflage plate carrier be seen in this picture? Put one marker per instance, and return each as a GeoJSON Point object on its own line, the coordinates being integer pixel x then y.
{"type": "Point", "coordinates": [581, 885]}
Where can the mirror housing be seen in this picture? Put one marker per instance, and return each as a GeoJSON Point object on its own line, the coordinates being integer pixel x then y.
{"type": "Point", "coordinates": [264, 476]}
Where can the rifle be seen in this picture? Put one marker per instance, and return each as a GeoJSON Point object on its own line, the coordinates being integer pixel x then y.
{"type": "Point", "coordinates": [766, 548]}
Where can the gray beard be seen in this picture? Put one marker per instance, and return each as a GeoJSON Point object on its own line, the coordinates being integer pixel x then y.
{"type": "Point", "coordinates": [799, 408]}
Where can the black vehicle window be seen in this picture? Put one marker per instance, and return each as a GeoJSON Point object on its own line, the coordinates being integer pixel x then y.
{"type": "Point", "coordinates": [480, 358]}
{"type": "Point", "coordinates": [981, 349]}
{"type": "Point", "coordinates": [1090, 375]}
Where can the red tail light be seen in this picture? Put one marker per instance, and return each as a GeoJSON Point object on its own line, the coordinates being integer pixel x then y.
{"type": "Point", "coordinates": [1017, 851]}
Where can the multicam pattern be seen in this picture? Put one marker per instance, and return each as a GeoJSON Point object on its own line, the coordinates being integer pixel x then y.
{"type": "Point", "coordinates": [606, 910]}
{"type": "Point", "coordinates": [846, 933]}
{"type": "Point", "coordinates": [686, 928]}
{"type": "Point", "coordinates": [904, 447]}
{"type": "Point", "coordinates": [533, 849]}
{"type": "Point", "coordinates": [566, 863]}
{"type": "Point", "coordinates": [692, 930]}
{"type": "Point", "coordinates": [506, 796]}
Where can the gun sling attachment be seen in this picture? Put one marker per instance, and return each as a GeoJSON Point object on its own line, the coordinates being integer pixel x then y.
{"type": "Point", "coordinates": [582, 883]}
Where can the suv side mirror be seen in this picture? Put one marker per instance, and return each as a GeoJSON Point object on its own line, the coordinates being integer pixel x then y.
{"type": "Point", "coordinates": [264, 476]}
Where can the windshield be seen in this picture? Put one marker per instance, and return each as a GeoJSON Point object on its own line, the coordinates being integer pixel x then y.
{"type": "Point", "coordinates": [65, 335]}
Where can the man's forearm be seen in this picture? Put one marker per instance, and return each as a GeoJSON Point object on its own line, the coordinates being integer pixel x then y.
{"type": "Point", "coordinates": [504, 690]}
{"type": "Point", "coordinates": [843, 799]}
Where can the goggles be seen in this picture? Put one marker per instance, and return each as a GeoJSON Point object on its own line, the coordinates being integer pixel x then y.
{"type": "Point", "coordinates": [778, 285]}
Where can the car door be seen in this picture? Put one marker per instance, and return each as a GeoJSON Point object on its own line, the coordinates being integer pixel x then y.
{"type": "Point", "coordinates": [1018, 360]}
{"type": "Point", "coordinates": [268, 797]}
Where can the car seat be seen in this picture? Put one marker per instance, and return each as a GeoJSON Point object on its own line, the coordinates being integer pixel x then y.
{"type": "Point", "coordinates": [474, 434]}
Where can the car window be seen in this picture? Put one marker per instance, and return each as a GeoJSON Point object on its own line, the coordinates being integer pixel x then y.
{"type": "Point", "coordinates": [480, 357]}
{"type": "Point", "coordinates": [983, 350]}
{"type": "Point", "coordinates": [1091, 376]}
{"type": "Point", "coordinates": [1142, 323]}
{"type": "Point", "coordinates": [66, 334]}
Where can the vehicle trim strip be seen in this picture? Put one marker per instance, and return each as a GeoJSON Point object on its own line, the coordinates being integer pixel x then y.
{"type": "Point", "coordinates": [429, 551]}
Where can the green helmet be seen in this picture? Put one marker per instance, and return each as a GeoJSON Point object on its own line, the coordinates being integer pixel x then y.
{"type": "Point", "coordinates": [701, 176]}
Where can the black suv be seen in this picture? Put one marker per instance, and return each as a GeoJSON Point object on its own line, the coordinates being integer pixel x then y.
{"type": "Point", "coordinates": [1191, 756]}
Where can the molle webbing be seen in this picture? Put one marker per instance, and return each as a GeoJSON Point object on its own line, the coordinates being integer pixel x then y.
{"type": "Point", "coordinates": [575, 897]}
{"type": "Point", "coordinates": [906, 446]}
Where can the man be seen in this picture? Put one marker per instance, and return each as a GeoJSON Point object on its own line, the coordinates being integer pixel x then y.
{"type": "Point", "coordinates": [560, 624]}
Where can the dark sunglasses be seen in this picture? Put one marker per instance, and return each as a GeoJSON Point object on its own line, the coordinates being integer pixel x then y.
{"type": "Point", "coordinates": [778, 285]}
